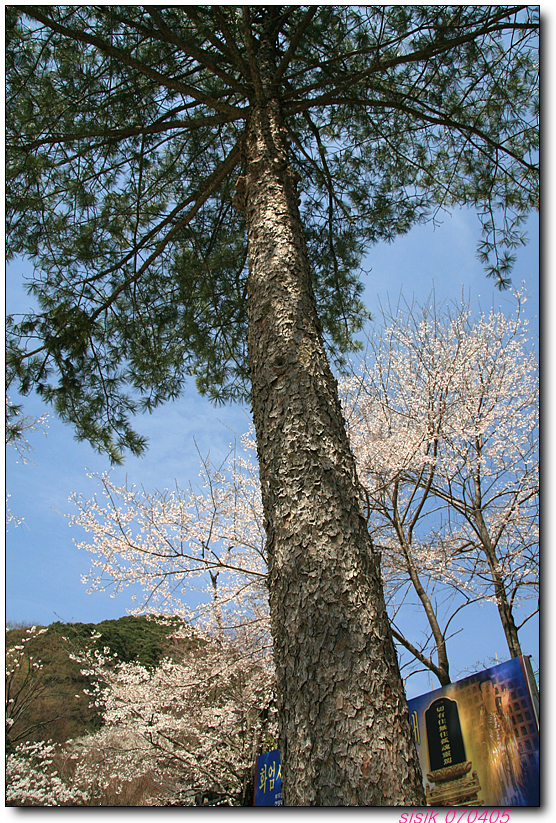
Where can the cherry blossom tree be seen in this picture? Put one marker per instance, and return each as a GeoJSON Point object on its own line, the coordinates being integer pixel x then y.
{"type": "Point", "coordinates": [442, 417]}
{"type": "Point", "coordinates": [197, 553]}
{"type": "Point", "coordinates": [203, 715]}
{"type": "Point", "coordinates": [33, 780]}
{"type": "Point", "coordinates": [104, 769]}
{"type": "Point", "coordinates": [192, 724]}
{"type": "Point", "coordinates": [17, 428]}
{"type": "Point", "coordinates": [24, 685]}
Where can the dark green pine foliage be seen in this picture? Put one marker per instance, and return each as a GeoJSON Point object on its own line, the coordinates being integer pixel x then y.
{"type": "Point", "coordinates": [125, 136]}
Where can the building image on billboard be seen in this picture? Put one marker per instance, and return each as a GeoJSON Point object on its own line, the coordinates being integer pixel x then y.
{"type": "Point", "coordinates": [478, 739]}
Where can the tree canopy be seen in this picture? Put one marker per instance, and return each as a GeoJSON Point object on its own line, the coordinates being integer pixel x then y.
{"type": "Point", "coordinates": [126, 129]}
{"type": "Point", "coordinates": [172, 726]}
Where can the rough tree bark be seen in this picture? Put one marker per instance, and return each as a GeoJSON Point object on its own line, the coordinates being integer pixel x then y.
{"type": "Point", "coordinates": [345, 736]}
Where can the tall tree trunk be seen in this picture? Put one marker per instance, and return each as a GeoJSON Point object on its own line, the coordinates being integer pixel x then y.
{"type": "Point", "coordinates": [345, 736]}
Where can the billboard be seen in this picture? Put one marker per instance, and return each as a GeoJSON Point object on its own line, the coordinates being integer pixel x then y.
{"type": "Point", "coordinates": [478, 739]}
{"type": "Point", "coordinates": [268, 779]}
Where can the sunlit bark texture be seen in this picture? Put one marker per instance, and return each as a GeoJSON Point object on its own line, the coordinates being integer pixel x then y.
{"type": "Point", "coordinates": [340, 694]}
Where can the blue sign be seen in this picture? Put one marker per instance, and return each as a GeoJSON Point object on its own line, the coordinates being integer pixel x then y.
{"type": "Point", "coordinates": [268, 779]}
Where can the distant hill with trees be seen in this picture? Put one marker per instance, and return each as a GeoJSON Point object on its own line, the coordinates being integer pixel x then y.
{"type": "Point", "coordinates": [46, 688]}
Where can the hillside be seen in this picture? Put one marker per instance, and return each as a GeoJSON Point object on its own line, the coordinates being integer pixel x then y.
{"type": "Point", "coordinates": [46, 687]}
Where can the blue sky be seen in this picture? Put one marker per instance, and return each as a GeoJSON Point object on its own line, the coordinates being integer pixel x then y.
{"type": "Point", "coordinates": [43, 566]}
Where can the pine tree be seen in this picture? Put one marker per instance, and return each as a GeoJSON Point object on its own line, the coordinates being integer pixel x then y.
{"type": "Point", "coordinates": [196, 186]}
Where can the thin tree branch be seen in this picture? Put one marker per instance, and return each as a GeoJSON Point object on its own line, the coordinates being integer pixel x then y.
{"type": "Point", "coordinates": [417, 654]}
{"type": "Point", "coordinates": [517, 628]}
{"type": "Point", "coordinates": [294, 42]}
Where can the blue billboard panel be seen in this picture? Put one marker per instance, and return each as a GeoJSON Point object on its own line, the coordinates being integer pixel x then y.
{"type": "Point", "coordinates": [478, 739]}
{"type": "Point", "coordinates": [268, 779]}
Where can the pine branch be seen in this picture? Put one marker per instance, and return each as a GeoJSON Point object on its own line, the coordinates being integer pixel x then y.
{"type": "Point", "coordinates": [201, 196]}
{"type": "Point", "coordinates": [294, 43]}
{"type": "Point", "coordinates": [35, 13]}
{"type": "Point", "coordinates": [191, 51]}
{"type": "Point", "coordinates": [197, 199]}
{"type": "Point", "coordinates": [230, 41]}
{"type": "Point", "coordinates": [342, 82]}
{"type": "Point", "coordinates": [159, 127]}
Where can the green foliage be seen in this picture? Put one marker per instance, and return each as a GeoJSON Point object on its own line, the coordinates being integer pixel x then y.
{"type": "Point", "coordinates": [132, 639]}
{"type": "Point", "coordinates": [124, 135]}
{"type": "Point", "coordinates": [15, 423]}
